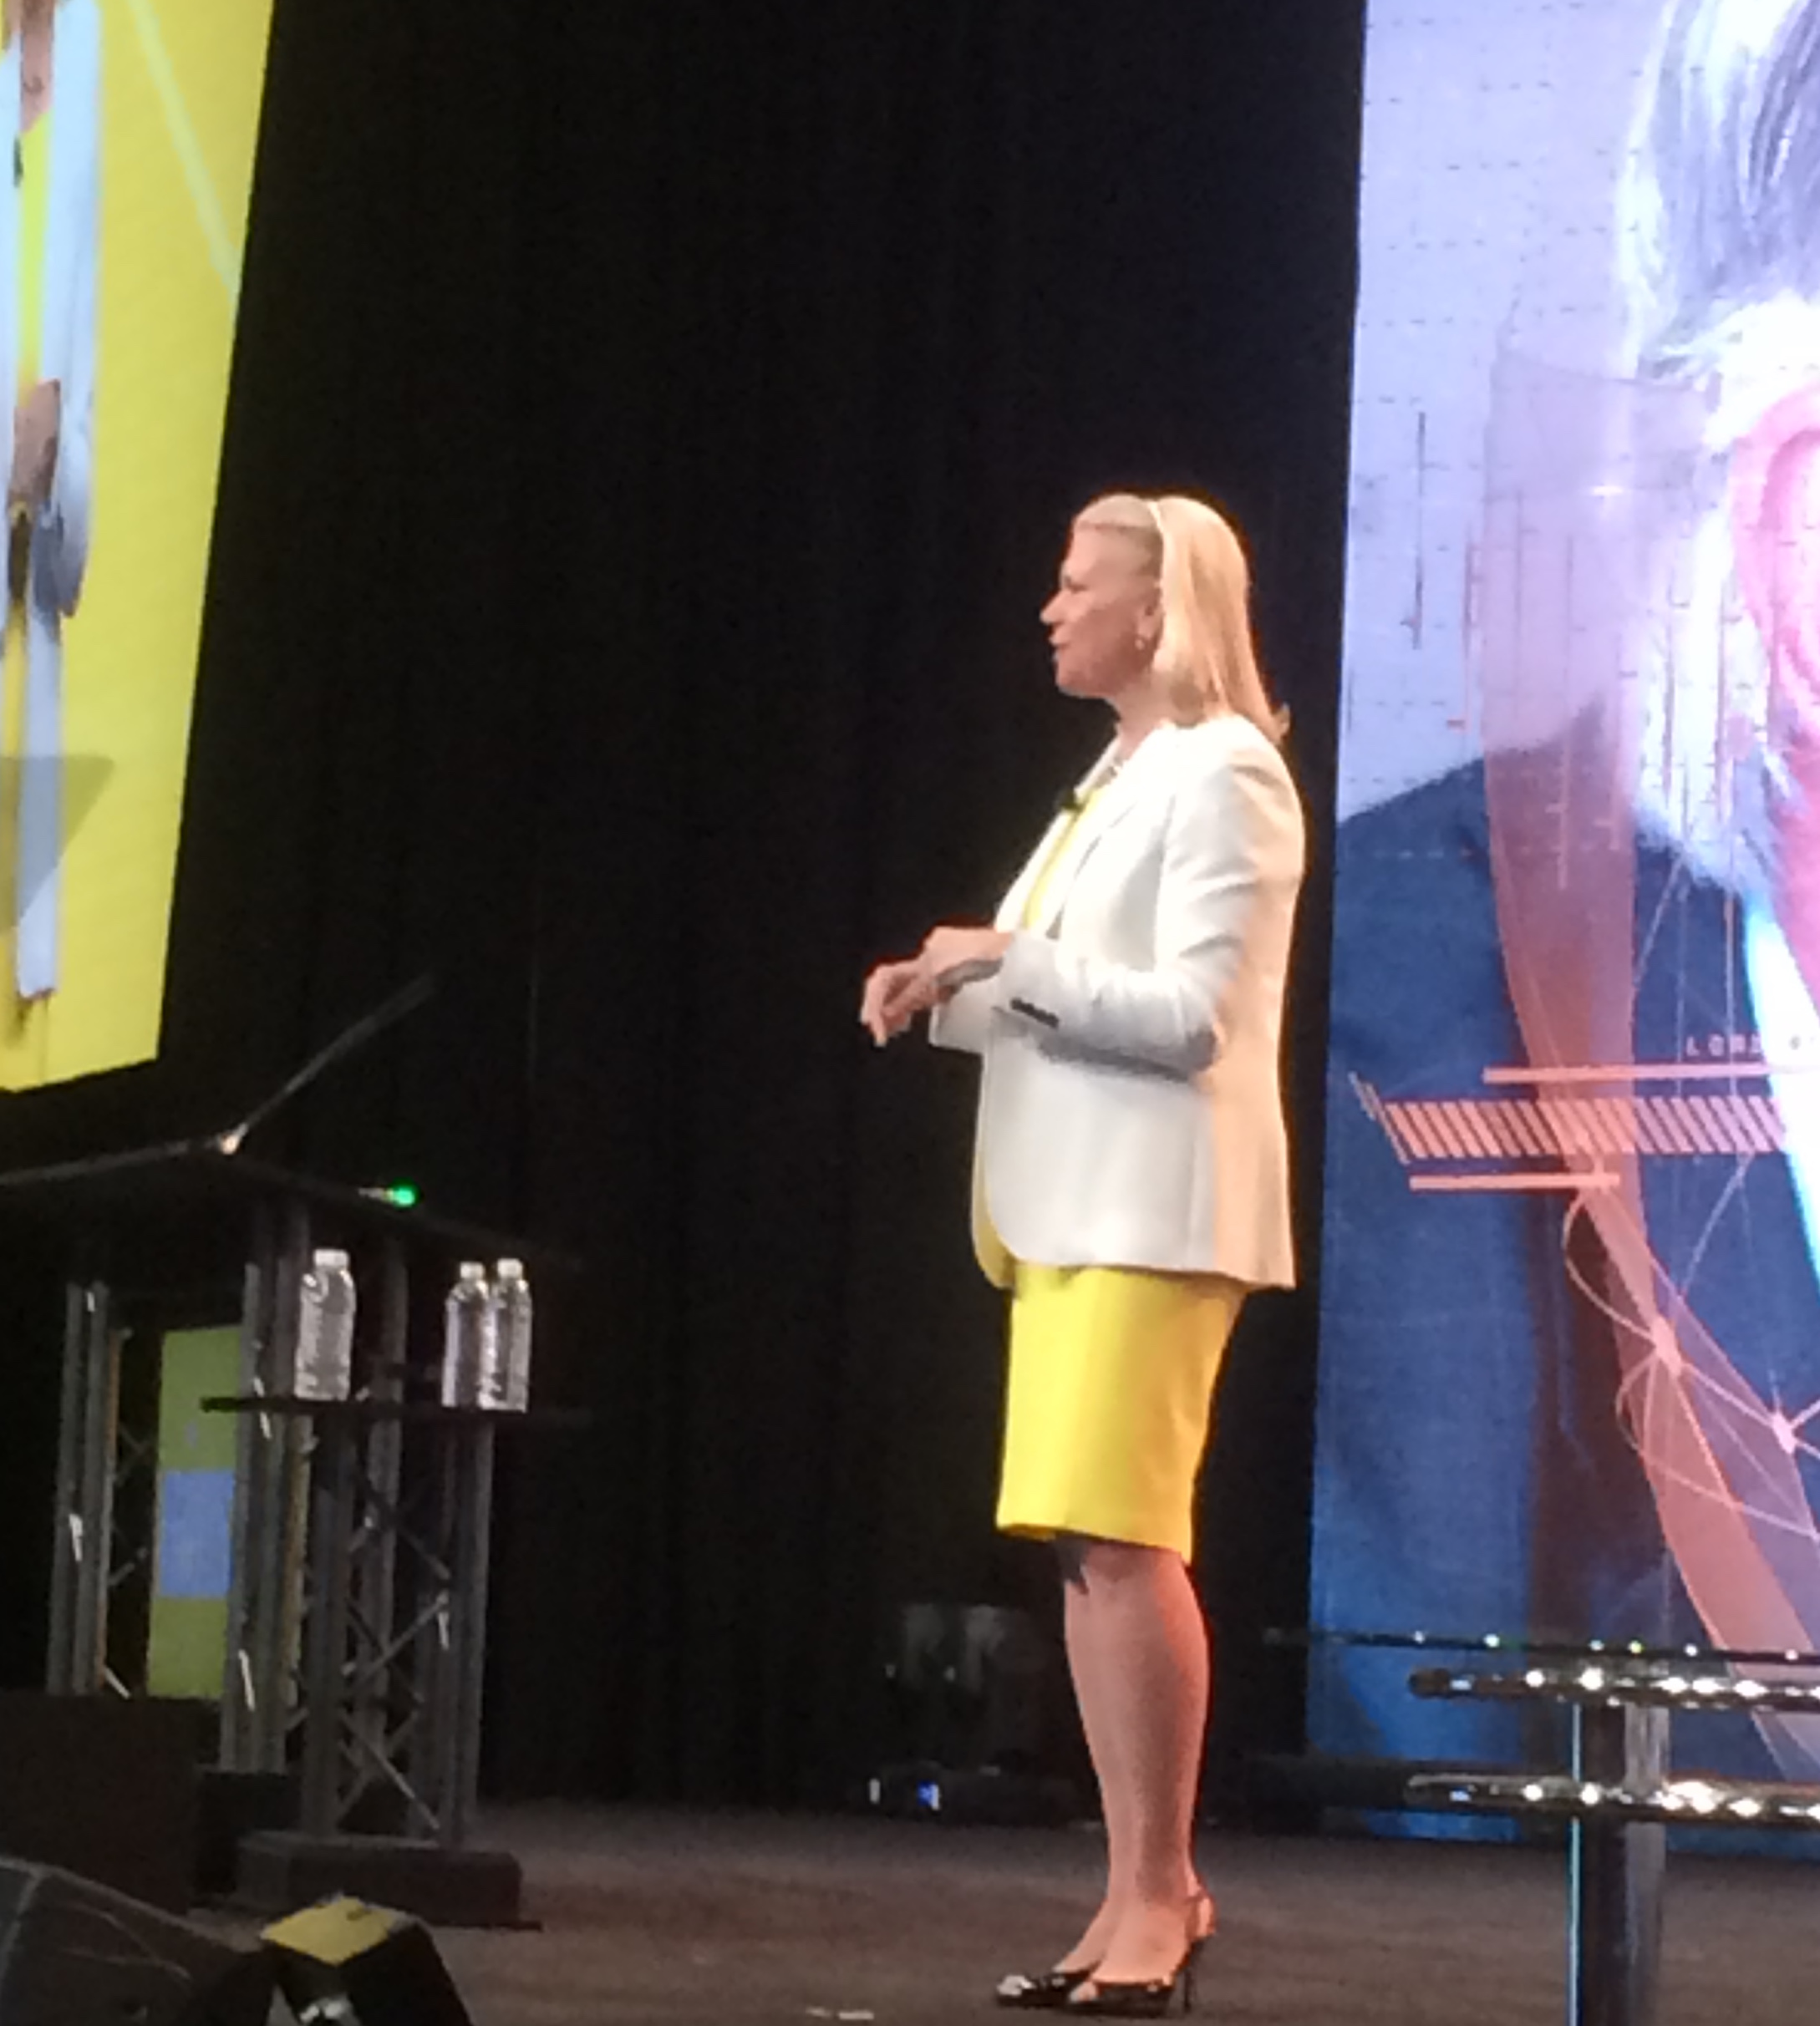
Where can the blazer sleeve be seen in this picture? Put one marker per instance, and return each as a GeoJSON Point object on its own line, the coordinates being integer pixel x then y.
{"type": "Point", "coordinates": [1233, 844]}
{"type": "Point", "coordinates": [60, 545]}
{"type": "Point", "coordinates": [964, 1022]}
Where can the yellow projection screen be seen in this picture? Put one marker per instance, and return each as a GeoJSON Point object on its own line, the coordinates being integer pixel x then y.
{"type": "Point", "coordinates": [129, 129]}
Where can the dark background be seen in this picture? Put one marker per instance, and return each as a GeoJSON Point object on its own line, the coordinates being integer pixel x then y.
{"type": "Point", "coordinates": [653, 429]}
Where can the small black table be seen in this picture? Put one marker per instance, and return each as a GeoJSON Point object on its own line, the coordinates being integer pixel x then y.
{"type": "Point", "coordinates": [1616, 1796]}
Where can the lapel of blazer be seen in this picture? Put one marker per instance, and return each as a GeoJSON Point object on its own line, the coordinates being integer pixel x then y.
{"type": "Point", "coordinates": [1119, 789]}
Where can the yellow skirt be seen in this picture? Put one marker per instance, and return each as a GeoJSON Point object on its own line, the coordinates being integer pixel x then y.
{"type": "Point", "coordinates": [1112, 1373]}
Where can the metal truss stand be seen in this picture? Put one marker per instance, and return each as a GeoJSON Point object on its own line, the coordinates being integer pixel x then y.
{"type": "Point", "coordinates": [265, 1597]}
{"type": "Point", "coordinates": [394, 1655]}
{"type": "Point", "coordinates": [81, 1563]}
{"type": "Point", "coordinates": [101, 1545]}
{"type": "Point", "coordinates": [397, 1616]}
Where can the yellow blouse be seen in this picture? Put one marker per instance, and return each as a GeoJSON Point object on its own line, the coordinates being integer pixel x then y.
{"type": "Point", "coordinates": [1040, 887]}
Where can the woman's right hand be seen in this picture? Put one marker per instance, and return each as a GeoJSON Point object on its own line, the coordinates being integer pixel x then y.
{"type": "Point", "coordinates": [895, 994]}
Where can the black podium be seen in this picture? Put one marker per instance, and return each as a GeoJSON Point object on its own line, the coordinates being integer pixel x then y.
{"type": "Point", "coordinates": [357, 1608]}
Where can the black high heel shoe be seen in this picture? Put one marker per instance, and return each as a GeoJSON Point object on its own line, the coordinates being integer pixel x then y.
{"type": "Point", "coordinates": [1049, 1992]}
{"type": "Point", "coordinates": [1155, 1997]}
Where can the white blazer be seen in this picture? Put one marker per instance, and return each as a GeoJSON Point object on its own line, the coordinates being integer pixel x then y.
{"type": "Point", "coordinates": [1131, 1108]}
{"type": "Point", "coordinates": [66, 353]}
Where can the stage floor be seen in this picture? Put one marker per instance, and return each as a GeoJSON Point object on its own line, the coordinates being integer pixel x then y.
{"type": "Point", "coordinates": [676, 1915]}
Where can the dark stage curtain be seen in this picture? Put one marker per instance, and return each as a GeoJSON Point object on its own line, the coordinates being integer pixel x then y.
{"type": "Point", "coordinates": [655, 431]}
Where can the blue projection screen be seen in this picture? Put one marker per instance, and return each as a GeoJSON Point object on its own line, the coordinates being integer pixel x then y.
{"type": "Point", "coordinates": [1570, 1377]}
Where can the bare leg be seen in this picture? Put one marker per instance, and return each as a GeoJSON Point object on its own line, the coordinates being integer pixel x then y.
{"type": "Point", "coordinates": [1138, 1626]}
{"type": "Point", "coordinates": [1087, 1664]}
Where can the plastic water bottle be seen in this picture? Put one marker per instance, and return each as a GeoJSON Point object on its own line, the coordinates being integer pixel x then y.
{"type": "Point", "coordinates": [325, 1328]}
{"type": "Point", "coordinates": [466, 1325]}
{"type": "Point", "coordinates": [506, 1379]}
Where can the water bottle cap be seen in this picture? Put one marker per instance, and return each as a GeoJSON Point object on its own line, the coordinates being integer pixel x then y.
{"type": "Point", "coordinates": [473, 1269]}
{"type": "Point", "coordinates": [327, 1256]}
{"type": "Point", "coordinates": [511, 1269]}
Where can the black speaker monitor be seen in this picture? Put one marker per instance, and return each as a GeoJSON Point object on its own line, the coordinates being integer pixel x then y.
{"type": "Point", "coordinates": [74, 1954]}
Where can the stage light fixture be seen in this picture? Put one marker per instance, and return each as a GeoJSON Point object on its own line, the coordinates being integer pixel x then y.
{"type": "Point", "coordinates": [970, 1690]}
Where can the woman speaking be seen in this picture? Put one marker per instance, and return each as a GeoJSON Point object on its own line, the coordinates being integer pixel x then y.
{"type": "Point", "coordinates": [1130, 1171]}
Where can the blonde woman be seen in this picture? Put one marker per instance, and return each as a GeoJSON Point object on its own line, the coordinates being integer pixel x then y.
{"type": "Point", "coordinates": [1131, 1174]}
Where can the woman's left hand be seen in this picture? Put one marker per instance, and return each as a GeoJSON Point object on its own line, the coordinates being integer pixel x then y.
{"type": "Point", "coordinates": [968, 952]}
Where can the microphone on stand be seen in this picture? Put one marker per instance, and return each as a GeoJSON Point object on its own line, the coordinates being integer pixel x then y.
{"type": "Point", "coordinates": [363, 1029]}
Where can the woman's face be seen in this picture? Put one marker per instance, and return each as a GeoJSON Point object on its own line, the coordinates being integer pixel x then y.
{"type": "Point", "coordinates": [1104, 618]}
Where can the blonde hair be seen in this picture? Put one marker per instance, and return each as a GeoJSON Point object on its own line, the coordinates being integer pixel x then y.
{"type": "Point", "coordinates": [1204, 653]}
